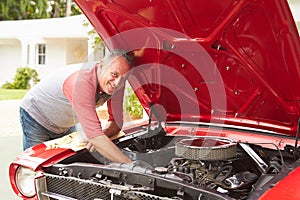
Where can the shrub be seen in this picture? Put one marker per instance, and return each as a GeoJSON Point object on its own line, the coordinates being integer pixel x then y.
{"type": "Point", "coordinates": [23, 78]}
{"type": "Point", "coordinates": [132, 104]}
{"type": "Point", "coordinates": [7, 85]}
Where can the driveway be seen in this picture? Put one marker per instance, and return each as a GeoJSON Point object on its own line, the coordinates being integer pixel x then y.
{"type": "Point", "coordinates": [10, 143]}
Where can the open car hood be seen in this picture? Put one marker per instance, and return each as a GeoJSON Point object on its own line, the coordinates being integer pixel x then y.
{"type": "Point", "coordinates": [225, 62]}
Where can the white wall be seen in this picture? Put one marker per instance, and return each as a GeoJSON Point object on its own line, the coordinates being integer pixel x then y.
{"type": "Point", "coordinates": [56, 33]}
{"type": "Point", "coordinates": [55, 56]}
{"type": "Point", "coordinates": [77, 51]}
{"type": "Point", "coordinates": [10, 57]}
{"type": "Point", "coordinates": [61, 52]}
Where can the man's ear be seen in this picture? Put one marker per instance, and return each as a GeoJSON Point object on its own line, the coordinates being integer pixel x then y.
{"type": "Point", "coordinates": [99, 68]}
{"type": "Point", "coordinates": [100, 64]}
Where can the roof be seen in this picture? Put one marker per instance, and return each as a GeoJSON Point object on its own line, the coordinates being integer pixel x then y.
{"type": "Point", "coordinates": [67, 27]}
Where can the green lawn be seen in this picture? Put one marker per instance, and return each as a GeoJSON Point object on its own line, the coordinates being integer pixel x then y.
{"type": "Point", "coordinates": [7, 94]}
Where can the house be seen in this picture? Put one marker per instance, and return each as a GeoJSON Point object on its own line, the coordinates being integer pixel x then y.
{"type": "Point", "coordinates": [44, 45]}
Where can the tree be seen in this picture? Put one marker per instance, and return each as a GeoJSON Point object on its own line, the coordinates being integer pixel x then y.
{"type": "Point", "coordinates": [63, 8]}
{"type": "Point", "coordinates": [37, 9]}
{"type": "Point", "coordinates": [23, 9]}
{"type": "Point", "coordinates": [68, 8]}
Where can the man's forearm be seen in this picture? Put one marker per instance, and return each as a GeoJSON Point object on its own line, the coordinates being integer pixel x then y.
{"type": "Point", "coordinates": [111, 129]}
{"type": "Point", "coordinates": [108, 149]}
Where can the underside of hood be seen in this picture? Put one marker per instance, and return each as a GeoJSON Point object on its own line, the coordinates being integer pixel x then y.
{"type": "Point", "coordinates": [234, 62]}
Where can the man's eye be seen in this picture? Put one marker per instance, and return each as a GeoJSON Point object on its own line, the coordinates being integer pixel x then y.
{"type": "Point", "coordinates": [114, 74]}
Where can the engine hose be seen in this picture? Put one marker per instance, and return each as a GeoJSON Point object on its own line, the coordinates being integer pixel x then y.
{"type": "Point", "coordinates": [228, 171]}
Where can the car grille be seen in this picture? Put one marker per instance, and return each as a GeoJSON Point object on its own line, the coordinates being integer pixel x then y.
{"type": "Point", "coordinates": [69, 188]}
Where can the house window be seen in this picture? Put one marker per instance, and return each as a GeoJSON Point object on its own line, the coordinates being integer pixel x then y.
{"type": "Point", "coordinates": [41, 54]}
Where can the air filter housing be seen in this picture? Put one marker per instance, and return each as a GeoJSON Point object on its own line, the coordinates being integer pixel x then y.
{"type": "Point", "coordinates": [205, 148]}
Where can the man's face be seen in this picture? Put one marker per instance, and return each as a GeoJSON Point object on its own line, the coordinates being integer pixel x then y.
{"type": "Point", "coordinates": [112, 77]}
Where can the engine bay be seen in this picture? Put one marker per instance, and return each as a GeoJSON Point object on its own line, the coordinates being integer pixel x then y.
{"type": "Point", "coordinates": [188, 167]}
{"type": "Point", "coordinates": [233, 168]}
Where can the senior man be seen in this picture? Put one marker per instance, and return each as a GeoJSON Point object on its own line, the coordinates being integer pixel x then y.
{"type": "Point", "coordinates": [53, 107]}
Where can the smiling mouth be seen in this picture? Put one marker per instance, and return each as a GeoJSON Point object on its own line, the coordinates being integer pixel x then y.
{"type": "Point", "coordinates": [111, 87]}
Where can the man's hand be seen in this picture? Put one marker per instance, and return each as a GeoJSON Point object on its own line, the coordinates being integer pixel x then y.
{"type": "Point", "coordinates": [91, 148]}
{"type": "Point", "coordinates": [108, 149]}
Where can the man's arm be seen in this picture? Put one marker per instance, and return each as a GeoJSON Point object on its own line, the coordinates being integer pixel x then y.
{"type": "Point", "coordinates": [108, 149]}
{"type": "Point", "coordinates": [111, 129]}
{"type": "Point", "coordinates": [84, 106]}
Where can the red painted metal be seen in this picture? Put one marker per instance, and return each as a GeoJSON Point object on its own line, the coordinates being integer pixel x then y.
{"type": "Point", "coordinates": [39, 155]}
{"type": "Point", "coordinates": [287, 188]}
{"type": "Point", "coordinates": [232, 62]}
{"type": "Point", "coordinates": [34, 158]}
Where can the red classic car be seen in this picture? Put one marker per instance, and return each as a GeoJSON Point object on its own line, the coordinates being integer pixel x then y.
{"type": "Point", "coordinates": [219, 80]}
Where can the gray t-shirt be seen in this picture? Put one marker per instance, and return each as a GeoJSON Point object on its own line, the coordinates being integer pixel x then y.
{"type": "Point", "coordinates": [48, 105]}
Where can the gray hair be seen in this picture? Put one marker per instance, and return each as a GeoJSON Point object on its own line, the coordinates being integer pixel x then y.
{"type": "Point", "coordinates": [108, 58]}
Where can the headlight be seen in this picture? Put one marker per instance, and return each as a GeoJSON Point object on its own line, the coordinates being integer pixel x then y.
{"type": "Point", "coordinates": [25, 181]}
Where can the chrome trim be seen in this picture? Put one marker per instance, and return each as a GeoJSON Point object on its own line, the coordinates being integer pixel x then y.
{"type": "Point", "coordinates": [260, 163]}
{"type": "Point", "coordinates": [41, 188]}
{"type": "Point", "coordinates": [57, 196]}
